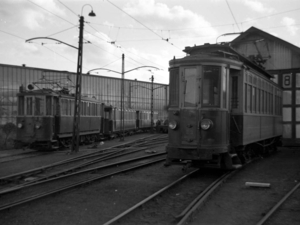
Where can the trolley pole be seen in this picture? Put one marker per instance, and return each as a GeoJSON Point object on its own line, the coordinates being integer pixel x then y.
{"type": "Point", "coordinates": [122, 100]}
{"type": "Point", "coordinates": [152, 90]}
{"type": "Point", "coordinates": [76, 119]}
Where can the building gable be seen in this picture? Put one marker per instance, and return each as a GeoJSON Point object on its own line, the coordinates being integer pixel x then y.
{"type": "Point", "coordinates": [270, 52]}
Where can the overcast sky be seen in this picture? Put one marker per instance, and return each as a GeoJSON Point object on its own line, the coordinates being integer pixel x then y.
{"type": "Point", "coordinates": [148, 32]}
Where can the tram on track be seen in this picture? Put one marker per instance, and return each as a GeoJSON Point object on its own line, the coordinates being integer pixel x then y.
{"type": "Point", "coordinates": [223, 109]}
{"type": "Point", "coordinates": [45, 119]}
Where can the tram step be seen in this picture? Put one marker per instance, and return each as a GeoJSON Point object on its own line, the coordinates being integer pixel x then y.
{"type": "Point", "coordinates": [237, 166]}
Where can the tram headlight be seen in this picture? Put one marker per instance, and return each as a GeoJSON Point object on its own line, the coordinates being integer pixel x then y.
{"type": "Point", "coordinates": [173, 124]}
{"type": "Point", "coordinates": [20, 125]}
{"type": "Point", "coordinates": [37, 126]}
{"type": "Point", "coordinates": [206, 124]}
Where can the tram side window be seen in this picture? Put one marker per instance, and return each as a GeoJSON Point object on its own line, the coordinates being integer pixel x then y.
{"type": "Point", "coordinates": [224, 89]}
{"type": "Point", "coordinates": [48, 105]}
{"type": "Point", "coordinates": [21, 106]}
{"type": "Point", "coordinates": [29, 103]}
{"type": "Point", "coordinates": [72, 107]}
{"type": "Point", "coordinates": [211, 86]}
{"type": "Point", "coordinates": [249, 95]}
{"type": "Point", "coordinates": [64, 107]}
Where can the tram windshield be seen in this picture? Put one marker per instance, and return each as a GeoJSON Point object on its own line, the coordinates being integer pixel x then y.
{"type": "Point", "coordinates": [190, 90]}
{"type": "Point", "coordinates": [34, 106]}
{"type": "Point", "coordinates": [211, 86]}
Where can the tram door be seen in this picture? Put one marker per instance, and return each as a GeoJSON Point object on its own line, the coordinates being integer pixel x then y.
{"type": "Point", "coordinates": [190, 83]}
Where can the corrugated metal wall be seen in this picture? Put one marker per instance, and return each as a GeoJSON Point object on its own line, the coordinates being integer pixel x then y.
{"type": "Point", "coordinates": [105, 89]}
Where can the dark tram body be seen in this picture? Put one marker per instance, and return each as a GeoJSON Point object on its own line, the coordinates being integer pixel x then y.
{"type": "Point", "coordinates": [222, 108]}
{"type": "Point", "coordinates": [45, 119]}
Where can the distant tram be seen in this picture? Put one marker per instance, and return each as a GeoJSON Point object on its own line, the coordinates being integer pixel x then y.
{"type": "Point", "coordinates": [45, 119]}
{"type": "Point", "coordinates": [223, 109]}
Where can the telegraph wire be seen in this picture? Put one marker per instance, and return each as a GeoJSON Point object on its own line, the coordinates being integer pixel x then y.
{"type": "Point", "coordinates": [192, 28]}
{"type": "Point", "coordinates": [62, 31]}
{"type": "Point", "coordinates": [67, 8]}
{"type": "Point", "coordinates": [233, 15]}
{"type": "Point", "coordinates": [12, 35]}
{"type": "Point", "coordinates": [167, 40]}
{"type": "Point", "coordinates": [275, 14]}
{"type": "Point", "coordinates": [51, 12]}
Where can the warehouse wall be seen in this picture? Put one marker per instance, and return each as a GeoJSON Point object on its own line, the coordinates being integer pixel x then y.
{"type": "Point", "coordinates": [105, 89]}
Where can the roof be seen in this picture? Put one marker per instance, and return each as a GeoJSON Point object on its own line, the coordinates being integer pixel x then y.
{"type": "Point", "coordinates": [254, 30]}
{"type": "Point", "coordinates": [228, 50]}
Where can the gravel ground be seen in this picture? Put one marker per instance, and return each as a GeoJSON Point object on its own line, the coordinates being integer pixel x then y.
{"type": "Point", "coordinates": [233, 203]}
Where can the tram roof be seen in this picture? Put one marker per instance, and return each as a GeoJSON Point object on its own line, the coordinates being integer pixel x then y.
{"type": "Point", "coordinates": [226, 49]}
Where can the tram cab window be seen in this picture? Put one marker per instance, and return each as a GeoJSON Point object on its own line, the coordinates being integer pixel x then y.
{"type": "Point", "coordinates": [211, 86]}
{"type": "Point", "coordinates": [190, 90]}
{"type": "Point", "coordinates": [34, 105]}
{"type": "Point", "coordinates": [39, 105]}
{"type": "Point", "coordinates": [21, 106]}
{"type": "Point", "coordinates": [29, 104]}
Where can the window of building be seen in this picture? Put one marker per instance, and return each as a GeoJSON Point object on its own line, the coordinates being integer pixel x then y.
{"type": "Point", "coordinates": [297, 79]}
{"type": "Point", "coordinates": [287, 114]}
{"type": "Point", "coordinates": [287, 131]}
{"type": "Point", "coordinates": [287, 97]}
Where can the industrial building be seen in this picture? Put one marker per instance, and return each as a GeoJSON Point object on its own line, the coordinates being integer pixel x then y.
{"type": "Point", "coordinates": [137, 94]}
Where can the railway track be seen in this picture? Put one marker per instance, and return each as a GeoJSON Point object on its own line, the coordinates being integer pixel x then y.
{"type": "Point", "coordinates": [79, 162]}
{"type": "Point", "coordinates": [131, 164]}
{"type": "Point", "coordinates": [22, 155]}
{"type": "Point", "coordinates": [155, 211]}
{"type": "Point", "coordinates": [30, 185]}
{"type": "Point", "coordinates": [268, 216]}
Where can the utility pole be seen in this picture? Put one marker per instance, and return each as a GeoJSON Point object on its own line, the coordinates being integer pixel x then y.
{"type": "Point", "coordinates": [152, 90]}
{"type": "Point", "coordinates": [76, 119]}
{"type": "Point", "coordinates": [122, 100]}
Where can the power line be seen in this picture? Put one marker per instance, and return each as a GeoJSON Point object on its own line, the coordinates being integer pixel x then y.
{"type": "Point", "coordinates": [61, 31]}
{"type": "Point", "coordinates": [275, 14]}
{"type": "Point", "coordinates": [67, 8]}
{"type": "Point", "coordinates": [233, 15]}
{"type": "Point", "coordinates": [12, 34]}
{"type": "Point", "coordinates": [167, 40]}
{"type": "Point", "coordinates": [50, 12]}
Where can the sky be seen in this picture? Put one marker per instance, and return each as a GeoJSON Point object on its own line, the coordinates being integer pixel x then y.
{"type": "Point", "coordinates": [148, 32]}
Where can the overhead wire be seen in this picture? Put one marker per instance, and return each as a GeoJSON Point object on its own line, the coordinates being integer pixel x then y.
{"type": "Point", "coordinates": [12, 34]}
{"type": "Point", "coordinates": [167, 40]}
{"type": "Point", "coordinates": [233, 15]}
{"type": "Point", "coordinates": [67, 8]}
{"type": "Point", "coordinates": [62, 31]}
{"type": "Point", "coordinates": [51, 12]}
